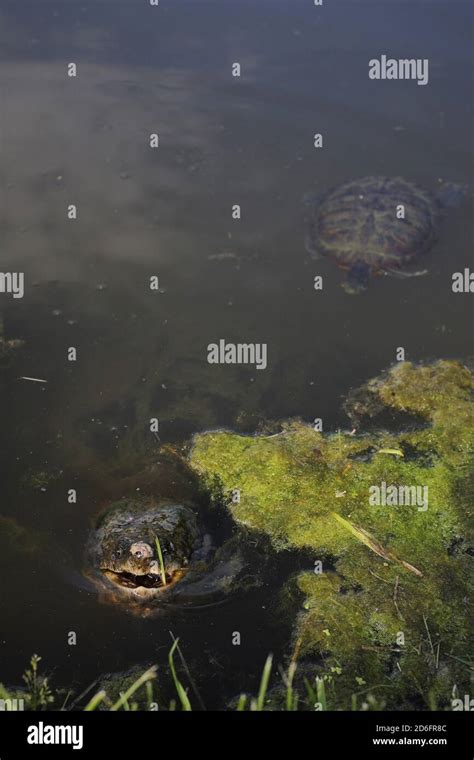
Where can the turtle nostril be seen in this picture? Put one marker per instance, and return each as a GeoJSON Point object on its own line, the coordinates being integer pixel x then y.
{"type": "Point", "coordinates": [140, 550]}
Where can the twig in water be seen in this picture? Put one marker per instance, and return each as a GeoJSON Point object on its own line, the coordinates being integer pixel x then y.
{"type": "Point", "coordinates": [83, 694]}
{"type": "Point", "coordinates": [395, 594]}
{"type": "Point", "coordinates": [429, 637]}
{"type": "Point", "coordinates": [463, 662]}
{"type": "Point", "coordinates": [369, 541]}
{"type": "Point", "coordinates": [378, 576]}
{"type": "Point", "coordinates": [63, 706]}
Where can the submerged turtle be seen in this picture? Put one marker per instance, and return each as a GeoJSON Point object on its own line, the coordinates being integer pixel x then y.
{"type": "Point", "coordinates": [357, 224]}
{"type": "Point", "coordinates": [144, 553]}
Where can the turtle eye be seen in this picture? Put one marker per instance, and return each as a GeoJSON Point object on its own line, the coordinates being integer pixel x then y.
{"type": "Point", "coordinates": [118, 553]}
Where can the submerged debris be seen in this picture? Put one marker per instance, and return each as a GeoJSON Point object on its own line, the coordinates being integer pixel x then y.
{"type": "Point", "coordinates": [7, 347]}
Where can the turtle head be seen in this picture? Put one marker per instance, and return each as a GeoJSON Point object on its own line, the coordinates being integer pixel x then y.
{"type": "Point", "coordinates": [357, 278]}
{"type": "Point", "coordinates": [141, 548]}
{"type": "Point", "coordinates": [134, 564]}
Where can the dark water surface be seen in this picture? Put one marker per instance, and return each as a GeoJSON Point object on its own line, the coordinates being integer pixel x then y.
{"type": "Point", "coordinates": [167, 213]}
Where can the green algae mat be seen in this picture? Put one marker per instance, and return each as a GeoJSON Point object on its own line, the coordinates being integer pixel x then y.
{"type": "Point", "coordinates": [386, 512]}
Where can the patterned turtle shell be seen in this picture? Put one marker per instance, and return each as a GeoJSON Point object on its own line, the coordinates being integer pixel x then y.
{"type": "Point", "coordinates": [359, 224]}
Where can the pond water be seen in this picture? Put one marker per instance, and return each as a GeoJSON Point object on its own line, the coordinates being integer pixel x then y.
{"type": "Point", "coordinates": [167, 212]}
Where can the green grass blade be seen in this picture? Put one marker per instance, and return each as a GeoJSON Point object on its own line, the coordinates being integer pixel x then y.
{"type": "Point", "coordinates": [290, 694]}
{"type": "Point", "coordinates": [123, 700]}
{"type": "Point", "coordinates": [188, 673]}
{"type": "Point", "coordinates": [311, 694]}
{"type": "Point", "coordinates": [183, 697]}
{"type": "Point", "coordinates": [160, 559]}
{"type": "Point", "coordinates": [95, 701]}
{"type": "Point", "coordinates": [364, 537]}
{"type": "Point", "coordinates": [394, 452]}
{"type": "Point", "coordinates": [321, 693]}
{"type": "Point", "coordinates": [149, 694]}
{"type": "Point", "coordinates": [267, 669]}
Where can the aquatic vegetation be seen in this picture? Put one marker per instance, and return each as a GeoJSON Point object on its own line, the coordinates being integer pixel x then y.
{"type": "Point", "coordinates": [257, 705]}
{"type": "Point", "coordinates": [182, 694]}
{"type": "Point", "coordinates": [37, 686]}
{"type": "Point", "coordinates": [39, 480]}
{"type": "Point", "coordinates": [117, 690]}
{"type": "Point", "coordinates": [299, 688]}
{"type": "Point", "coordinates": [391, 601]}
{"type": "Point", "coordinates": [160, 558]}
{"type": "Point", "coordinates": [36, 693]}
{"type": "Point", "coordinates": [382, 617]}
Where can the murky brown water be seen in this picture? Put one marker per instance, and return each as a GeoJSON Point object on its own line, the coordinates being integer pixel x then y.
{"type": "Point", "coordinates": [167, 213]}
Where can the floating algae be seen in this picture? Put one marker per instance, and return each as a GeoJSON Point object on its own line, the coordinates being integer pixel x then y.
{"type": "Point", "coordinates": [390, 610]}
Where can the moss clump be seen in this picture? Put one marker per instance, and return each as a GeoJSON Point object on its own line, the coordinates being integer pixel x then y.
{"type": "Point", "coordinates": [35, 695]}
{"type": "Point", "coordinates": [115, 685]}
{"type": "Point", "coordinates": [440, 393]}
{"type": "Point", "coordinates": [39, 480]}
{"type": "Point", "coordinates": [394, 613]}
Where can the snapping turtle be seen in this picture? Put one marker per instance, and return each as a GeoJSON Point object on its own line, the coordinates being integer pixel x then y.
{"type": "Point", "coordinates": [145, 553]}
{"type": "Point", "coordinates": [359, 225]}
